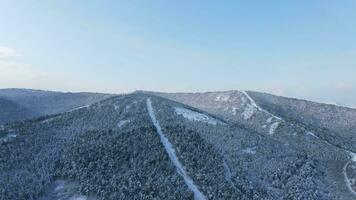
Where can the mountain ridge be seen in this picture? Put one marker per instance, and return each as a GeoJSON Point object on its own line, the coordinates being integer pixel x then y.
{"type": "Point", "coordinates": [229, 144]}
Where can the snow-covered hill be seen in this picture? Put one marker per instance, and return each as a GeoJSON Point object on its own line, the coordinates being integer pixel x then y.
{"type": "Point", "coordinates": [36, 103]}
{"type": "Point", "coordinates": [319, 130]}
{"type": "Point", "coordinates": [220, 145]}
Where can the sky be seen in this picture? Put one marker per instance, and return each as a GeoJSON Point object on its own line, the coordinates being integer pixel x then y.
{"type": "Point", "coordinates": [304, 49]}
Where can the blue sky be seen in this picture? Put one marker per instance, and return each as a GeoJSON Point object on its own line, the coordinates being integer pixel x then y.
{"type": "Point", "coordinates": [305, 49]}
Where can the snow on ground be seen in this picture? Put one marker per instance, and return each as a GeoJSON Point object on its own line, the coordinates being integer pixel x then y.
{"type": "Point", "coordinates": [252, 107]}
{"type": "Point", "coordinates": [234, 110]}
{"type": "Point", "coordinates": [66, 190]}
{"type": "Point", "coordinates": [253, 103]}
{"type": "Point", "coordinates": [172, 155]}
{"type": "Point", "coordinates": [80, 107]}
{"type": "Point", "coordinates": [228, 174]}
{"type": "Point", "coordinates": [127, 108]}
{"type": "Point", "coordinates": [312, 134]}
{"type": "Point", "coordinates": [7, 138]}
{"type": "Point", "coordinates": [273, 127]}
{"type": "Point", "coordinates": [196, 116]}
{"type": "Point", "coordinates": [78, 197]}
{"type": "Point", "coordinates": [325, 141]}
{"type": "Point", "coordinates": [353, 156]}
{"type": "Point", "coordinates": [347, 180]}
{"type": "Point", "coordinates": [129, 105]}
{"type": "Point", "coordinates": [49, 119]}
{"type": "Point", "coordinates": [60, 185]}
{"type": "Point", "coordinates": [248, 112]}
{"type": "Point", "coordinates": [116, 107]}
{"type": "Point", "coordinates": [249, 150]}
{"type": "Point", "coordinates": [222, 98]}
{"type": "Point", "coordinates": [122, 122]}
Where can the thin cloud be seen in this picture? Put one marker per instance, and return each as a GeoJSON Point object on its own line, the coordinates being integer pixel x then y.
{"type": "Point", "coordinates": [14, 72]}
{"type": "Point", "coordinates": [6, 52]}
{"type": "Point", "coordinates": [18, 71]}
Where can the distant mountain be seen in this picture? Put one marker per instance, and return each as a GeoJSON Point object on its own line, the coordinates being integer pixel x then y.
{"type": "Point", "coordinates": [11, 111]}
{"type": "Point", "coordinates": [146, 145]}
{"type": "Point", "coordinates": [35, 103]}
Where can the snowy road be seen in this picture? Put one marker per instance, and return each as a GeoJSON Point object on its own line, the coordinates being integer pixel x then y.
{"type": "Point", "coordinates": [172, 155]}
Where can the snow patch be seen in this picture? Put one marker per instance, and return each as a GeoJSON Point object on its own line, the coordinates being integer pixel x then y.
{"type": "Point", "coordinates": [60, 186]}
{"type": "Point", "coordinates": [64, 189]}
{"type": "Point", "coordinates": [196, 116]}
{"type": "Point", "coordinates": [347, 180]}
{"type": "Point", "coordinates": [273, 127]}
{"type": "Point", "coordinates": [127, 107]}
{"type": "Point", "coordinates": [80, 107]}
{"type": "Point", "coordinates": [49, 119]}
{"type": "Point", "coordinates": [116, 107]}
{"type": "Point", "coordinates": [248, 112]}
{"type": "Point", "coordinates": [222, 98]}
{"type": "Point", "coordinates": [78, 197]}
{"type": "Point", "coordinates": [312, 134]}
{"type": "Point", "coordinates": [123, 122]}
{"type": "Point", "coordinates": [249, 150]}
{"type": "Point", "coordinates": [353, 156]}
{"type": "Point", "coordinates": [234, 110]}
{"type": "Point", "coordinates": [172, 155]}
{"type": "Point", "coordinates": [7, 138]}
{"type": "Point", "coordinates": [253, 103]}
{"type": "Point", "coordinates": [228, 173]}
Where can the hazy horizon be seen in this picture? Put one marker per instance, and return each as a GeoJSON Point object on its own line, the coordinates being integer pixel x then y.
{"type": "Point", "coordinates": [288, 96]}
{"type": "Point", "coordinates": [300, 49]}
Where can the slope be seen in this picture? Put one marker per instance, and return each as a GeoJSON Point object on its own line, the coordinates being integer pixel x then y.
{"type": "Point", "coordinates": [342, 130]}
{"type": "Point", "coordinates": [11, 111]}
{"type": "Point", "coordinates": [141, 146]}
{"type": "Point", "coordinates": [89, 153]}
{"type": "Point", "coordinates": [39, 103]}
{"type": "Point", "coordinates": [240, 108]}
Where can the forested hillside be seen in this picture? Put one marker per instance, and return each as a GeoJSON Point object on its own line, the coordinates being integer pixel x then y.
{"type": "Point", "coordinates": [335, 121]}
{"type": "Point", "coordinates": [142, 146]}
{"type": "Point", "coordinates": [35, 103]}
{"type": "Point", "coordinates": [11, 111]}
{"type": "Point", "coordinates": [334, 150]}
